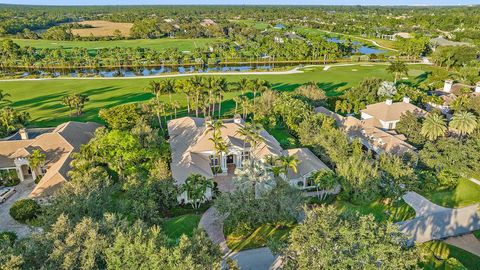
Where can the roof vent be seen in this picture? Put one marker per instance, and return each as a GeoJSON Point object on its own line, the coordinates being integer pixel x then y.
{"type": "Point", "coordinates": [388, 102]}
{"type": "Point", "coordinates": [477, 87]}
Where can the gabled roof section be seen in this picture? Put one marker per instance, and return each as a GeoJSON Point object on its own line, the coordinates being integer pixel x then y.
{"type": "Point", "coordinates": [387, 113]}
{"type": "Point", "coordinates": [307, 163]}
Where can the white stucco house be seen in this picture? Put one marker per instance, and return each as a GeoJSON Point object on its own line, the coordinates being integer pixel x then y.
{"type": "Point", "coordinates": [193, 152]}
{"type": "Point", "coordinates": [449, 93]}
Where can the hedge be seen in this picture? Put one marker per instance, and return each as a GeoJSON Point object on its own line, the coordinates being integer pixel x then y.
{"type": "Point", "coordinates": [24, 210]}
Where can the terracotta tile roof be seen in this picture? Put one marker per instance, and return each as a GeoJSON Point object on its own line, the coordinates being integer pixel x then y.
{"type": "Point", "coordinates": [57, 145]}
{"type": "Point", "coordinates": [371, 136]}
{"type": "Point", "coordinates": [387, 113]}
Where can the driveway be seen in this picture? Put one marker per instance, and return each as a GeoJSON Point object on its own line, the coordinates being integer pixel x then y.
{"type": "Point", "coordinates": [7, 223]}
{"type": "Point", "coordinates": [433, 222]}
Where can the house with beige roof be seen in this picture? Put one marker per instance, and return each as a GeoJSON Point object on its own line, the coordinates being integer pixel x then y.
{"type": "Point", "coordinates": [57, 144]}
{"type": "Point", "coordinates": [370, 135]}
{"type": "Point", "coordinates": [449, 93]}
{"type": "Point", "coordinates": [193, 152]}
{"type": "Point", "coordinates": [385, 115]}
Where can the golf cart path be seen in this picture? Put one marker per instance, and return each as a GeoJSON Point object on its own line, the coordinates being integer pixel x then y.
{"type": "Point", "coordinates": [433, 222]}
{"type": "Point", "coordinates": [252, 259]}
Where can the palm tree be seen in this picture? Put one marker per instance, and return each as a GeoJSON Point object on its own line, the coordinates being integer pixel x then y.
{"type": "Point", "coordinates": [433, 126]}
{"type": "Point", "coordinates": [217, 139]}
{"type": "Point", "coordinates": [67, 101]}
{"type": "Point", "coordinates": [288, 162]}
{"type": "Point", "coordinates": [155, 88]}
{"type": "Point", "coordinates": [185, 87]}
{"type": "Point", "coordinates": [175, 107]}
{"type": "Point", "coordinates": [195, 187]}
{"type": "Point", "coordinates": [158, 108]}
{"type": "Point", "coordinates": [36, 161]}
{"type": "Point", "coordinates": [464, 122]}
{"type": "Point", "coordinates": [397, 68]}
{"type": "Point", "coordinates": [3, 98]}
{"type": "Point", "coordinates": [326, 180]}
{"type": "Point", "coordinates": [237, 101]}
{"type": "Point", "coordinates": [244, 85]}
{"type": "Point", "coordinates": [277, 171]}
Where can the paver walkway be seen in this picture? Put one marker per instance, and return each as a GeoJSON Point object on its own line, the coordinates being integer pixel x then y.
{"type": "Point", "coordinates": [7, 223]}
{"type": "Point", "coordinates": [253, 259]}
{"type": "Point", "coordinates": [434, 222]}
{"type": "Point", "coordinates": [467, 242]}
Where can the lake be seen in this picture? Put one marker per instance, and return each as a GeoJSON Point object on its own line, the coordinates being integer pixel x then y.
{"type": "Point", "coordinates": [362, 49]}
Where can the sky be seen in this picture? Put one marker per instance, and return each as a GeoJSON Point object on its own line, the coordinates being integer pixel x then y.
{"type": "Point", "coordinates": [243, 2]}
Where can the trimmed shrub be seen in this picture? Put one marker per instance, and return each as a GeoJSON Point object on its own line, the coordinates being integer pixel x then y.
{"type": "Point", "coordinates": [11, 182]}
{"type": "Point", "coordinates": [24, 210]}
{"type": "Point", "coordinates": [8, 236]}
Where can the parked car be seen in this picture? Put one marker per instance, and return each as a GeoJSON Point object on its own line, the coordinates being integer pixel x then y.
{"type": "Point", "coordinates": [5, 193]}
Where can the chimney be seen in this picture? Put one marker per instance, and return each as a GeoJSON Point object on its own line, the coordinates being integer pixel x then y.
{"type": "Point", "coordinates": [208, 120]}
{"type": "Point", "coordinates": [237, 119]}
{"type": "Point", "coordinates": [23, 134]}
{"type": "Point", "coordinates": [406, 99]}
{"type": "Point", "coordinates": [447, 87]}
{"type": "Point", "coordinates": [388, 101]}
{"type": "Point", "coordinates": [477, 87]}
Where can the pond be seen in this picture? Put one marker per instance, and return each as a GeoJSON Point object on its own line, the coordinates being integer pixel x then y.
{"type": "Point", "coordinates": [136, 71]}
{"type": "Point", "coordinates": [362, 49]}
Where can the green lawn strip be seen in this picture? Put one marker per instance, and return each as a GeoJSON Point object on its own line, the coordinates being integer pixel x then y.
{"type": "Point", "coordinates": [175, 227]}
{"type": "Point", "coordinates": [42, 98]}
{"type": "Point", "coordinates": [158, 44]}
{"type": "Point", "coordinates": [282, 135]}
{"type": "Point", "coordinates": [397, 211]}
{"type": "Point", "coordinates": [477, 234]}
{"type": "Point", "coordinates": [259, 237]}
{"type": "Point", "coordinates": [440, 252]}
{"type": "Point", "coordinates": [466, 193]}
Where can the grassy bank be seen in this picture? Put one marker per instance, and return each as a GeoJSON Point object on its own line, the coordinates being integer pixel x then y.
{"type": "Point", "coordinates": [42, 98]}
{"type": "Point", "coordinates": [466, 193]}
{"type": "Point", "coordinates": [158, 44]}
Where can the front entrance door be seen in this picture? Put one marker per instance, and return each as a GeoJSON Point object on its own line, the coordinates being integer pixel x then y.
{"type": "Point", "coordinates": [230, 159]}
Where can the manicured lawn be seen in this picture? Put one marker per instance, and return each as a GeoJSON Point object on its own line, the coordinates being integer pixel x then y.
{"type": "Point", "coordinates": [477, 234]}
{"type": "Point", "coordinates": [158, 44]}
{"type": "Point", "coordinates": [439, 252]}
{"type": "Point", "coordinates": [398, 211]}
{"type": "Point", "coordinates": [42, 98]}
{"type": "Point", "coordinates": [466, 193]}
{"type": "Point", "coordinates": [175, 227]}
{"type": "Point", "coordinates": [259, 237]}
{"type": "Point", "coordinates": [282, 135]}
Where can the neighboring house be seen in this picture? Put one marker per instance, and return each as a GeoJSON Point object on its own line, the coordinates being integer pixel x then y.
{"type": "Point", "coordinates": [193, 151]}
{"type": "Point", "coordinates": [57, 144]}
{"type": "Point", "coordinates": [441, 41]}
{"type": "Point", "coordinates": [385, 115]}
{"type": "Point", "coordinates": [449, 93]}
{"type": "Point", "coordinates": [372, 137]}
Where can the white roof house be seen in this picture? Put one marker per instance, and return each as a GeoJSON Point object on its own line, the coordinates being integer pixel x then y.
{"type": "Point", "coordinates": [193, 152]}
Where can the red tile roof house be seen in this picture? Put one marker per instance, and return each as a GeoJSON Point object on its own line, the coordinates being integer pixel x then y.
{"type": "Point", "coordinates": [193, 152]}
{"type": "Point", "coordinates": [57, 144]}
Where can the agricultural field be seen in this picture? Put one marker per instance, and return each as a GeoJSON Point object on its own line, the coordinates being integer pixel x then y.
{"type": "Point", "coordinates": [158, 44]}
{"type": "Point", "coordinates": [42, 98]}
{"type": "Point", "coordinates": [103, 29]}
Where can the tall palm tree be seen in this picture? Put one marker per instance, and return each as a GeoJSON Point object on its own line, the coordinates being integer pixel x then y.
{"type": "Point", "coordinates": [397, 68]}
{"type": "Point", "coordinates": [434, 126]}
{"type": "Point", "coordinates": [155, 88]}
{"type": "Point", "coordinates": [175, 106]}
{"type": "Point", "coordinates": [237, 101]}
{"type": "Point", "coordinates": [244, 85]}
{"type": "Point", "coordinates": [464, 122]}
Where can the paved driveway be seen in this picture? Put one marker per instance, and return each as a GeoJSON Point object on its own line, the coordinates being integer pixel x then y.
{"type": "Point", "coordinates": [7, 223]}
{"type": "Point", "coordinates": [434, 222]}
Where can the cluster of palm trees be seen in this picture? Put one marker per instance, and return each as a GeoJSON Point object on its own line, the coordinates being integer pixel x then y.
{"type": "Point", "coordinates": [462, 122]}
{"type": "Point", "coordinates": [204, 95]}
{"type": "Point", "coordinates": [75, 103]}
{"type": "Point", "coordinates": [10, 119]}
{"type": "Point", "coordinates": [279, 165]}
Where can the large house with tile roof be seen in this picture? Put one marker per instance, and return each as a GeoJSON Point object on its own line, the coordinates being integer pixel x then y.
{"type": "Point", "coordinates": [57, 144]}
{"type": "Point", "coordinates": [193, 152]}
{"type": "Point", "coordinates": [370, 133]}
{"type": "Point", "coordinates": [385, 115]}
